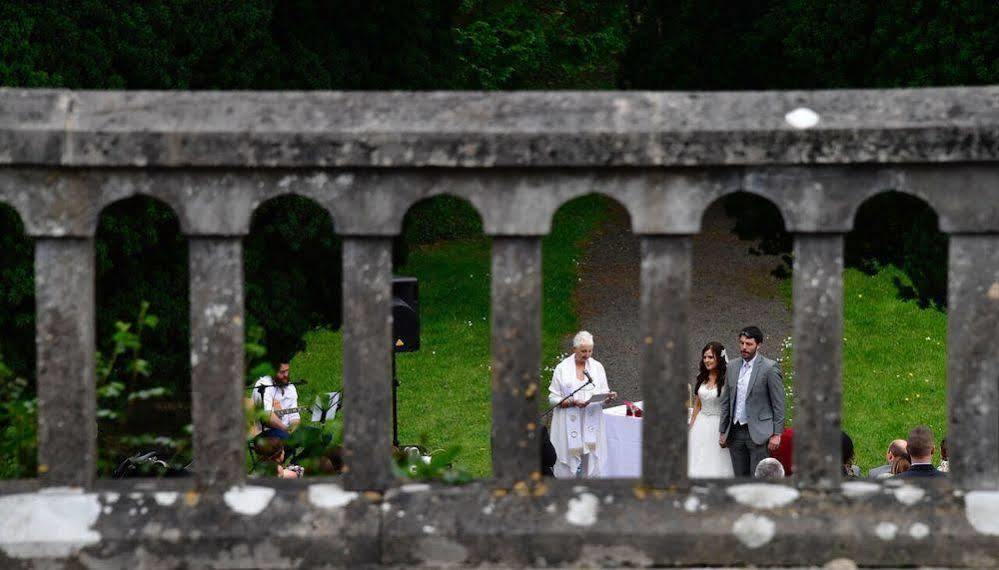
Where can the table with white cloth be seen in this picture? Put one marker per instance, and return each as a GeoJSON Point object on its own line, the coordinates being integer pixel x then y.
{"type": "Point", "coordinates": [624, 443]}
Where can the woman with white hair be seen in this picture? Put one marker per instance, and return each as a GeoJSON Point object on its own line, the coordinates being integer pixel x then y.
{"type": "Point", "coordinates": [578, 427]}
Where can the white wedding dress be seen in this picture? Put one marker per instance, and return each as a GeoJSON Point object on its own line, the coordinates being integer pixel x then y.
{"type": "Point", "coordinates": [705, 458]}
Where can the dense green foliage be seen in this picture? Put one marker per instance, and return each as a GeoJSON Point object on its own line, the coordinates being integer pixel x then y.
{"type": "Point", "coordinates": [293, 273]}
{"type": "Point", "coordinates": [17, 296]}
{"type": "Point", "coordinates": [310, 44]}
{"type": "Point", "coordinates": [141, 256]}
{"type": "Point", "coordinates": [19, 429]}
{"type": "Point", "coordinates": [810, 44]}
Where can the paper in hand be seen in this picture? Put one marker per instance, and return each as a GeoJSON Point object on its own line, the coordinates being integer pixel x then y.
{"type": "Point", "coordinates": [598, 398]}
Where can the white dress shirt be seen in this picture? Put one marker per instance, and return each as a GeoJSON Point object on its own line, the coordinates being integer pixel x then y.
{"type": "Point", "coordinates": [740, 399]}
{"type": "Point", "coordinates": [287, 398]}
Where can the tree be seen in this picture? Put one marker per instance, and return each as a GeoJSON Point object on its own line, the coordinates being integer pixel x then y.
{"type": "Point", "coordinates": [293, 273]}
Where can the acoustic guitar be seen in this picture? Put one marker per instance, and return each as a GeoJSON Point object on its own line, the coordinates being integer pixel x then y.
{"type": "Point", "coordinates": [257, 426]}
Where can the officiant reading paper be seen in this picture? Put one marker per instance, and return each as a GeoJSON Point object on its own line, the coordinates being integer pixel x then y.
{"type": "Point", "coordinates": [578, 422]}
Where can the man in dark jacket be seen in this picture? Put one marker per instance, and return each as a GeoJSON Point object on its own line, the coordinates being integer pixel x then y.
{"type": "Point", "coordinates": [921, 448]}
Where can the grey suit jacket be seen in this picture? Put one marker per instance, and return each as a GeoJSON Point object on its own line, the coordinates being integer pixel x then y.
{"type": "Point", "coordinates": [877, 472]}
{"type": "Point", "coordinates": [764, 401]}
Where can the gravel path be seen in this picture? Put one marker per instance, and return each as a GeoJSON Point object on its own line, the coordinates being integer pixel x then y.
{"type": "Point", "coordinates": [731, 289]}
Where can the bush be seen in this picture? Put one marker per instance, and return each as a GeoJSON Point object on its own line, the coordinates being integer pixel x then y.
{"type": "Point", "coordinates": [141, 258]}
{"type": "Point", "coordinates": [17, 296]}
{"type": "Point", "coordinates": [123, 393]}
{"type": "Point", "coordinates": [292, 261]}
{"type": "Point", "coordinates": [921, 252]}
{"type": "Point", "coordinates": [18, 427]}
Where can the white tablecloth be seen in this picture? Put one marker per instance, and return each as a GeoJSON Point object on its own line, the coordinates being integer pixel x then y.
{"type": "Point", "coordinates": [624, 444]}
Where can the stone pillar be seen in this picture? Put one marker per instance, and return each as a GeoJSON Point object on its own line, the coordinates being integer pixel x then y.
{"type": "Point", "coordinates": [664, 364]}
{"type": "Point", "coordinates": [818, 358]}
{"type": "Point", "coordinates": [973, 362]}
{"type": "Point", "coordinates": [367, 361]}
{"type": "Point", "coordinates": [217, 360]}
{"type": "Point", "coordinates": [516, 352]}
{"type": "Point", "coordinates": [65, 331]}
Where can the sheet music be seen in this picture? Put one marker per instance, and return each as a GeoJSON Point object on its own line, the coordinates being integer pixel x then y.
{"type": "Point", "coordinates": [598, 398]}
{"type": "Point", "coordinates": [333, 399]}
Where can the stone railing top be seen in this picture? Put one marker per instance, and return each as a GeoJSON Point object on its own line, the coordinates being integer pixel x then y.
{"type": "Point", "coordinates": [499, 129]}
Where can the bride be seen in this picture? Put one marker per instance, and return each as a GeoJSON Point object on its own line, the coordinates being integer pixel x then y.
{"type": "Point", "coordinates": [705, 458]}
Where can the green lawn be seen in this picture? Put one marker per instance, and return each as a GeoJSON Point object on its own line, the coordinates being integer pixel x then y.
{"type": "Point", "coordinates": [444, 394]}
{"type": "Point", "coordinates": [894, 364]}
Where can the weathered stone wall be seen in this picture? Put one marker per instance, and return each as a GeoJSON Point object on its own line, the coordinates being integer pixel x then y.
{"type": "Point", "coordinates": [366, 158]}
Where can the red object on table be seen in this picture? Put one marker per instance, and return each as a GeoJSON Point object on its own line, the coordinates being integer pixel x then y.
{"type": "Point", "coordinates": [632, 409]}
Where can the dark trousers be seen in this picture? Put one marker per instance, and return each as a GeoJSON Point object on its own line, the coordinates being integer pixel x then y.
{"type": "Point", "coordinates": [274, 432]}
{"type": "Point", "coordinates": [746, 454]}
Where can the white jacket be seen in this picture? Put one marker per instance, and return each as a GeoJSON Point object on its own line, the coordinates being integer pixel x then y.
{"type": "Point", "coordinates": [564, 382]}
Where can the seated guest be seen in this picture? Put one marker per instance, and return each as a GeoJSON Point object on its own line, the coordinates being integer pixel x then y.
{"type": "Point", "coordinates": [331, 461]}
{"type": "Point", "coordinates": [548, 456]}
{"type": "Point", "coordinates": [921, 448]}
{"type": "Point", "coordinates": [944, 465]}
{"type": "Point", "coordinates": [895, 450]}
{"type": "Point", "coordinates": [850, 471]}
{"type": "Point", "coordinates": [270, 456]}
{"type": "Point", "coordinates": [898, 465]}
{"type": "Point", "coordinates": [783, 451]}
{"type": "Point", "coordinates": [769, 468]}
{"type": "Point", "coordinates": [274, 394]}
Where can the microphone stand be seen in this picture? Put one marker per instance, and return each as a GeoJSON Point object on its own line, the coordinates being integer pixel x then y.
{"type": "Point", "coordinates": [263, 387]}
{"type": "Point", "coordinates": [589, 382]}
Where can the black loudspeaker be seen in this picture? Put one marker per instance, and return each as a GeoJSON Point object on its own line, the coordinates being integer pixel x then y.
{"type": "Point", "coordinates": [405, 314]}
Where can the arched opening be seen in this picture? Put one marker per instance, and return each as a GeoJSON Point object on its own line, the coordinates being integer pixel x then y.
{"type": "Point", "coordinates": [18, 419]}
{"type": "Point", "coordinates": [294, 276]}
{"type": "Point", "coordinates": [143, 369]}
{"type": "Point", "coordinates": [740, 278]}
{"type": "Point", "coordinates": [591, 266]}
{"type": "Point", "coordinates": [895, 326]}
{"type": "Point", "coordinates": [444, 388]}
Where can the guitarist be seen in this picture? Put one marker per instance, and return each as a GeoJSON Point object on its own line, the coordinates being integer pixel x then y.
{"type": "Point", "coordinates": [277, 395]}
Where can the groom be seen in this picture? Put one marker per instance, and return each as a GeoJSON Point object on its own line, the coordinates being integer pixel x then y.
{"type": "Point", "coordinates": [752, 405]}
